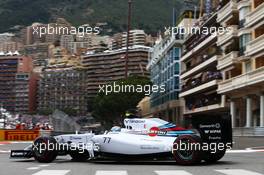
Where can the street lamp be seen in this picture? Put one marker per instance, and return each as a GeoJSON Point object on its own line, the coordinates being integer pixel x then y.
{"type": "Point", "coordinates": [127, 41]}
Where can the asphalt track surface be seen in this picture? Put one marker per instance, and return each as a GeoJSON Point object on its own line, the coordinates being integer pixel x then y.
{"type": "Point", "coordinates": [236, 162]}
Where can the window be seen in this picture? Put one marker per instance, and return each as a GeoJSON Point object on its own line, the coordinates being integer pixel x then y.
{"type": "Point", "coordinates": [172, 84]}
{"type": "Point", "coordinates": [177, 68]}
{"type": "Point", "coordinates": [176, 53]}
{"type": "Point", "coordinates": [248, 66]}
{"type": "Point", "coordinates": [242, 15]}
{"type": "Point", "coordinates": [243, 40]}
{"type": "Point", "coordinates": [176, 82]}
{"type": "Point", "coordinates": [171, 56]}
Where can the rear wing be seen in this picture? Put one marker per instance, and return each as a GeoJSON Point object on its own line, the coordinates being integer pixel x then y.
{"type": "Point", "coordinates": [214, 128]}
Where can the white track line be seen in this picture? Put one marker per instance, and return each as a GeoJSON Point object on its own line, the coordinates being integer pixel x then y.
{"type": "Point", "coordinates": [52, 172]}
{"type": "Point", "coordinates": [163, 172]}
{"type": "Point", "coordinates": [111, 173]}
{"type": "Point", "coordinates": [238, 172]}
{"type": "Point", "coordinates": [173, 172]}
{"type": "Point", "coordinates": [21, 142]}
{"type": "Point", "coordinates": [33, 168]}
{"type": "Point", "coordinates": [38, 167]}
{"type": "Point", "coordinates": [255, 148]}
{"type": "Point", "coordinates": [14, 142]}
{"type": "Point", "coordinates": [245, 151]}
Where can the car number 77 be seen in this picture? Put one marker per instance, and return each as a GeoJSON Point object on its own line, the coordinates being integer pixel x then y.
{"type": "Point", "coordinates": [107, 139]}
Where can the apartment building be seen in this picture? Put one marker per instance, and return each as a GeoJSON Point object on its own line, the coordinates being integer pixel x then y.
{"type": "Point", "coordinates": [117, 41]}
{"type": "Point", "coordinates": [165, 69]}
{"type": "Point", "coordinates": [199, 76]}
{"type": "Point", "coordinates": [242, 62]}
{"type": "Point", "coordinates": [6, 37]}
{"type": "Point", "coordinates": [38, 52]}
{"type": "Point", "coordinates": [56, 35]}
{"type": "Point", "coordinates": [62, 85]}
{"type": "Point", "coordinates": [136, 37]}
{"type": "Point", "coordinates": [62, 88]}
{"type": "Point", "coordinates": [109, 66]}
{"type": "Point", "coordinates": [10, 46]}
{"type": "Point", "coordinates": [66, 40]}
{"type": "Point", "coordinates": [164, 65]}
{"type": "Point", "coordinates": [143, 107]}
{"type": "Point", "coordinates": [29, 36]}
{"type": "Point", "coordinates": [78, 44]}
{"type": "Point", "coordinates": [18, 84]}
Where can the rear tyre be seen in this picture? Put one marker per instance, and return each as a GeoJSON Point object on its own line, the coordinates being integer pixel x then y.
{"type": "Point", "coordinates": [214, 157]}
{"type": "Point", "coordinates": [79, 157]}
{"type": "Point", "coordinates": [44, 149]}
{"type": "Point", "coordinates": [186, 155]}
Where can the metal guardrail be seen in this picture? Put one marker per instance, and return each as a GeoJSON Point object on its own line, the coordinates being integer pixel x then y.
{"type": "Point", "coordinates": [257, 131]}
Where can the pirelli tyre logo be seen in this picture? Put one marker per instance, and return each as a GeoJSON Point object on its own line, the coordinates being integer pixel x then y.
{"type": "Point", "coordinates": [14, 135]}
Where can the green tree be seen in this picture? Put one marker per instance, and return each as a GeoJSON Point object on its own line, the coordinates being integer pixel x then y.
{"type": "Point", "coordinates": [46, 111]}
{"type": "Point", "coordinates": [110, 108]}
{"type": "Point", "coordinates": [70, 111]}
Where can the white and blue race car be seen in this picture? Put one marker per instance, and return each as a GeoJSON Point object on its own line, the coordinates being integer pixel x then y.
{"type": "Point", "coordinates": [139, 139]}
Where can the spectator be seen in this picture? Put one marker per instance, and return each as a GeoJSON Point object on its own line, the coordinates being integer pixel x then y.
{"type": "Point", "coordinates": [23, 126]}
{"type": "Point", "coordinates": [37, 126]}
{"type": "Point", "coordinates": [18, 126]}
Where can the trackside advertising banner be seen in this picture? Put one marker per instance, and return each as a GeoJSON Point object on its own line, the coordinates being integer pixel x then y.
{"type": "Point", "coordinates": [18, 135]}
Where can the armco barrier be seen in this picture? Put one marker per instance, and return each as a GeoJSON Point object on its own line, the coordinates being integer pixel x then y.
{"type": "Point", "coordinates": [257, 131]}
{"type": "Point", "coordinates": [18, 135]}
{"type": "Point", "coordinates": [45, 133]}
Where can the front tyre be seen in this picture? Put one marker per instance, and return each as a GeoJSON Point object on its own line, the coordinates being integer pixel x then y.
{"type": "Point", "coordinates": [44, 149]}
{"type": "Point", "coordinates": [184, 153]}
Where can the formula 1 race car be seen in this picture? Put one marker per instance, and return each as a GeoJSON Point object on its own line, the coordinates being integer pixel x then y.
{"type": "Point", "coordinates": [140, 139]}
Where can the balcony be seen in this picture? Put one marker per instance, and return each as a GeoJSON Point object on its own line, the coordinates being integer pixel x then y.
{"type": "Point", "coordinates": [228, 35]}
{"type": "Point", "coordinates": [256, 16]}
{"type": "Point", "coordinates": [199, 66]}
{"type": "Point", "coordinates": [252, 79]}
{"type": "Point", "coordinates": [199, 88]}
{"type": "Point", "coordinates": [199, 46]}
{"type": "Point", "coordinates": [227, 60]}
{"type": "Point", "coordinates": [203, 103]}
{"type": "Point", "coordinates": [203, 109]}
{"type": "Point", "coordinates": [200, 82]}
{"type": "Point", "coordinates": [255, 46]}
{"type": "Point", "coordinates": [225, 13]}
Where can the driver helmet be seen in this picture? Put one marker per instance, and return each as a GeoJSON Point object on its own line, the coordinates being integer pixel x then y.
{"type": "Point", "coordinates": [116, 129]}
